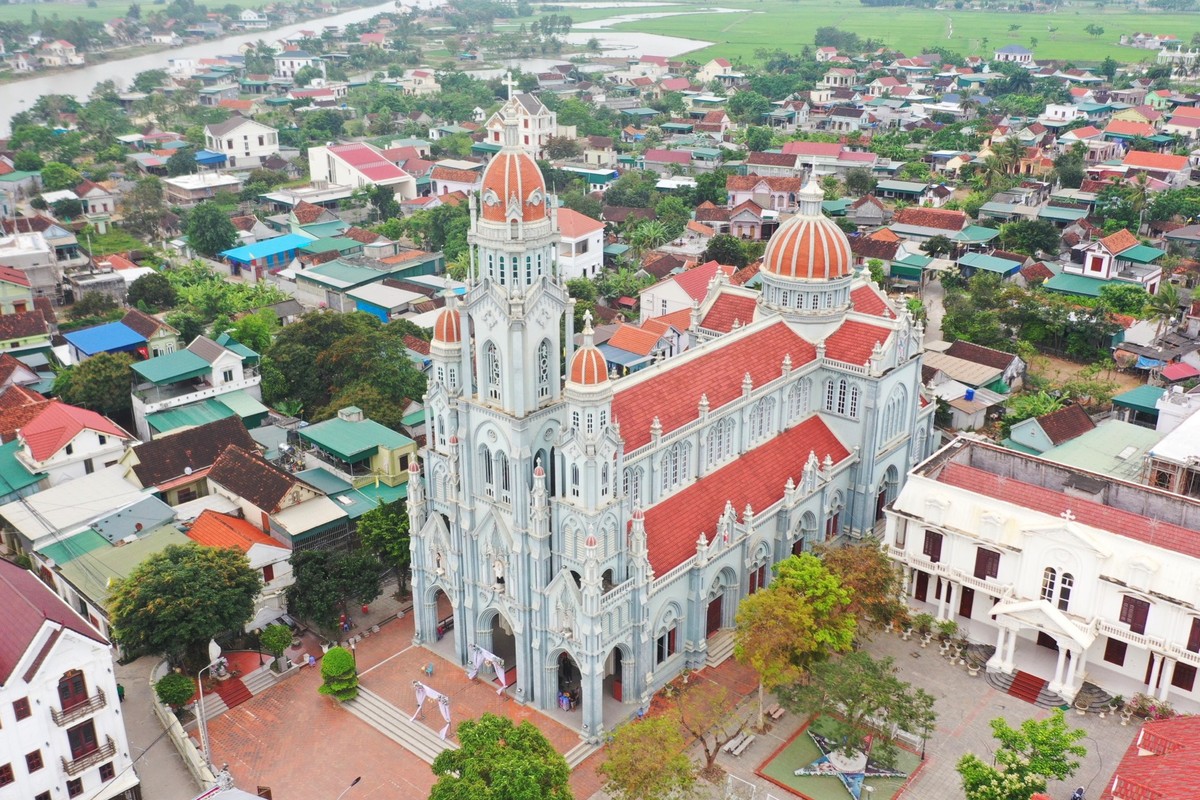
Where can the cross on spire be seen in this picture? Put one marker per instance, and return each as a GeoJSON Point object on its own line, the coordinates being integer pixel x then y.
{"type": "Point", "coordinates": [510, 83]}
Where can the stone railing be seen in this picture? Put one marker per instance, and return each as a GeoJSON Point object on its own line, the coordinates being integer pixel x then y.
{"type": "Point", "coordinates": [80, 710]}
{"type": "Point", "coordinates": [102, 753]}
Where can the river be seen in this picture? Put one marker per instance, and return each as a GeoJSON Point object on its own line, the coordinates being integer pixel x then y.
{"type": "Point", "coordinates": [16, 96]}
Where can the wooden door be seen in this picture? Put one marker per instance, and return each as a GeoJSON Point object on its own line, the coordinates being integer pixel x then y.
{"type": "Point", "coordinates": [922, 590]}
{"type": "Point", "coordinates": [966, 600]}
{"type": "Point", "coordinates": [714, 616]}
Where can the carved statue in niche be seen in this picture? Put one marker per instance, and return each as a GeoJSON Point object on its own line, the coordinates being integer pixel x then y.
{"type": "Point", "coordinates": [438, 565]}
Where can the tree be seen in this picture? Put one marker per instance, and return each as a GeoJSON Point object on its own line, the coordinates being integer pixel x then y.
{"type": "Point", "coordinates": [1124, 298]}
{"type": "Point", "coordinates": [178, 599]}
{"type": "Point", "coordinates": [624, 282]}
{"type": "Point", "coordinates": [674, 215]}
{"type": "Point", "coordinates": [256, 330]}
{"type": "Point", "coordinates": [797, 621]}
{"type": "Point", "coordinates": [339, 674]}
{"type": "Point", "coordinates": [748, 107]}
{"type": "Point", "coordinates": [188, 323]}
{"type": "Point", "coordinates": [306, 75]}
{"type": "Point", "coordinates": [874, 581]}
{"type": "Point", "coordinates": [143, 208]}
{"type": "Point", "coordinates": [92, 304]}
{"type": "Point", "coordinates": [384, 530]}
{"type": "Point", "coordinates": [864, 702]}
{"type": "Point", "coordinates": [646, 760]}
{"type": "Point", "coordinates": [67, 208]}
{"type": "Point", "coordinates": [561, 147]}
{"type": "Point", "coordinates": [1026, 759]}
{"type": "Point", "coordinates": [57, 176]}
{"type": "Point", "coordinates": [725, 249]}
{"type": "Point", "coordinates": [1031, 236]}
{"type": "Point", "coordinates": [175, 689]}
{"type": "Point", "coordinates": [1162, 307]}
{"type": "Point", "coordinates": [101, 383]}
{"type": "Point", "coordinates": [276, 639]}
{"type": "Point", "coordinates": [648, 235]}
{"type": "Point", "coordinates": [326, 582]}
{"type": "Point", "coordinates": [209, 230]}
{"type": "Point", "coordinates": [705, 711]}
{"type": "Point", "coordinates": [938, 246]}
{"type": "Point", "coordinates": [383, 200]}
{"type": "Point", "coordinates": [149, 80]}
{"type": "Point", "coordinates": [859, 181]}
{"type": "Point", "coordinates": [1028, 405]}
{"type": "Point", "coordinates": [152, 291]}
{"type": "Point", "coordinates": [181, 162]}
{"type": "Point", "coordinates": [27, 161]}
{"type": "Point", "coordinates": [758, 138]}
{"type": "Point", "coordinates": [500, 761]}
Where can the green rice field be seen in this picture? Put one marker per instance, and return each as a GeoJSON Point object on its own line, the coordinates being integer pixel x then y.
{"type": "Point", "coordinates": [104, 10]}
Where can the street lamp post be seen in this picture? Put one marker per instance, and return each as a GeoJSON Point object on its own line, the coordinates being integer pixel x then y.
{"type": "Point", "coordinates": [214, 652]}
{"type": "Point", "coordinates": [354, 654]}
{"type": "Point", "coordinates": [353, 783]}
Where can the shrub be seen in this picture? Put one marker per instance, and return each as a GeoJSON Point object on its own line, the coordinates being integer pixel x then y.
{"type": "Point", "coordinates": [175, 689]}
{"type": "Point", "coordinates": [339, 674]}
{"type": "Point", "coordinates": [276, 638]}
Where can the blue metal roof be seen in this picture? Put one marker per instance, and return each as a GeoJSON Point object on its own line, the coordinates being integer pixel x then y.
{"type": "Point", "coordinates": [209, 157]}
{"type": "Point", "coordinates": [271, 247]}
{"type": "Point", "coordinates": [107, 338]}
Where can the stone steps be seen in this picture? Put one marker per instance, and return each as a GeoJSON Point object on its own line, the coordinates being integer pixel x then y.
{"type": "Point", "coordinates": [214, 706]}
{"type": "Point", "coordinates": [580, 753]}
{"type": "Point", "coordinates": [260, 679]}
{"type": "Point", "coordinates": [1044, 698]}
{"type": "Point", "coordinates": [395, 724]}
{"type": "Point", "coordinates": [720, 648]}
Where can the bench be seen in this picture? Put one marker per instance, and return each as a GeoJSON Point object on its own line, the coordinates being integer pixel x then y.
{"type": "Point", "coordinates": [734, 743]}
{"type": "Point", "coordinates": [771, 710]}
{"type": "Point", "coordinates": [741, 748]}
{"type": "Point", "coordinates": [777, 712]}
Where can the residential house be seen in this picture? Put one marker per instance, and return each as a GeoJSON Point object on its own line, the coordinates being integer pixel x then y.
{"type": "Point", "coordinates": [188, 190]}
{"type": "Point", "coordinates": [679, 291]}
{"type": "Point", "coordinates": [776, 193]}
{"type": "Point", "coordinates": [1171, 169]}
{"type": "Point", "coordinates": [420, 82]}
{"type": "Point", "coordinates": [244, 142]}
{"type": "Point", "coordinates": [61, 728]}
{"type": "Point", "coordinates": [59, 53]}
{"type": "Point", "coordinates": [775, 165]}
{"type": "Point", "coordinates": [65, 442]}
{"type": "Point", "coordinates": [1014, 54]}
{"type": "Point", "coordinates": [175, 466]}
{"type": "Point", "coordinates": [204, 382]}
{"type": "Point", "coordinates": [847, 119]}
{"type": "Point", "coordinates": [668, 162]}
{"type": "Point", "coordinates": [598, 151]}
{"type": "Point", "coordinates": [289, 62]}
{"type": "Point", "coordinates": [111, 337]}
{"type": "Point", "coordinates": [1119, 257]}
{"type": "Point", "coordinates": [839, 78]}
{"type": "Point", "coordinates": [447, 179]}
{"type": "Point", "coordinates": [253, 20]}
{"type": "Point", "coordinates": [746, 221]}
{"type": "Point", "coordinates": [31, 255]}
{"type": "Point", "coordinates": [24, 332]}
{"type": "Point", "coordinates": [266, 556]}
{"type": "Point", "coordinates": [359, 165]}
{"type": "Point", "coordinates": [1012, 367]}
{"type": "Point", "coordinates": [535, 123]}
{"type": "Point", "coordinates": [16, 373]}
{"type": "Point", "coordinates": [714, 69]}
{"type": "Point", "coordinates": [282, 505]}
{"type": "Point", "coordinates": [922, 224]}
{"type": "Point", "coordinates": [580, 246]}
{"type": "Point", "coordinates": [1029, 553]}
{"type": "Point", "coordinates": [16, 296]}
{"type": "Point", "coordinates": [251, 229]}
{"type": "Point", "coordinates": [265, 257]}
{"type": "Point", "coordinates": [357, 449]}
{"type": "Point", "coordinates": [160, 337]}
{"type": "Point", "coordinates": [1038, 434]}
{"type": "Point", "coordinates": [634, 347]}
{"type": "Point", "coordinates": [99, 204]}
{"type": "Point", "coordinates": [867, 212]}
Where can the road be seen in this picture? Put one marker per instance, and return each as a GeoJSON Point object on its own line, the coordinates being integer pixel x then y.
{"type": "Point", "coordinates": [158, 763]}
{"type": "Point", "coordinates": [932, 296]}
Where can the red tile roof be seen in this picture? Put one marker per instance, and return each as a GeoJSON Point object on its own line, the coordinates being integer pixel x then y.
{"type": "Point", "coordinates": [144, 324]}
{"type": "Point", "coordinates": [931, 218]}
{"type": "Point", "coordinates": [168, 457]}
{"type": "Point", "coordinates": [1119, 242]}
{"type": "Point", "coordinates": [1162, 763]}
{"type": "Point", "coordinates": [812, 148]}
{"type": "Point", "coordinates": [28, 605]}
{"type": "Point", "coordinates": [1164, 162]}
{"type": "Point", "coordinates": [214, 529]}
{"type": "Point", "coordinates": [853, 342]}
{"type": "Point", "coordinates": [1086, 512]}
{"type": "Point", "coordinates": [694, 281]}
{"type": "Point", "coordinates": [307, 213]}
{"type": "Point", "coordinates": [59, 423]}
{"type": "Point", "coordinates": [673, 395]}
{"type": "Point", "coordinates": [978, 354]}
{"type": "Point", "coordinates": [681, 320]}
{"type": "Point", "coordinates": [1127, 128]}
{"type": "Point", "coordinates": [251, 478]}
{"type": "Point", "coordinates": [728, 309]}
{"type": "Point", "coordinates": [18, 405]}
{"type": "Point", "coordinates": [417, 345]}
{"type": "Point", "coordinates": [573, 225]}
{"type": "Point", "coordinates": [1036, 272]}
{"type": "Point", "coordinates": [14, 276]}
{"type": "Point", "coordinates": [633, 339]}
{"type": "Point", "coordinates": [868, 301]}
{"type": "Point", "coordinates": [772, 159]}
{"type": "Point", "coordinates": [756, 478]}
{"type": "Point", "coordinates": [1065, 424]}
{"type": "Point", "coordinates": [23, 325]}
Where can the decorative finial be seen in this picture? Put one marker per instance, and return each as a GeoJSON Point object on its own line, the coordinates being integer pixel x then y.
{"type": "Point", "coordinates": [510, 83]}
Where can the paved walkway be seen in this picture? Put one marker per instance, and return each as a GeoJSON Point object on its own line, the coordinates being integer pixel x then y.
{"type": "Point", "coordinates": [158, 764]}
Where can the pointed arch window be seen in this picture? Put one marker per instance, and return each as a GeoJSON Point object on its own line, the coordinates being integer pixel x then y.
{"type": "Point", "coordinates": [720, 441]}
{"type": "Point", "coordinates": [1049, 583]}
{"type": "Point", "coordinates": [761, 418]}
{"type": "Point", "coordinates": [502, 474]}
{"type": "Point", "coordinates": [633, 486]}
{"type": "Point", "coordinates": [492, 366]}
{"type": "Point", "coordinates": [604, 480]}
{"type": "Point", "coordinates": [574, 480]}
{"type": "Point", "coordinates": [543, 386]}
{"type": "Point", "coordinates": [797, 403]}
{"type": "Point", "coordinates": [487, 469]}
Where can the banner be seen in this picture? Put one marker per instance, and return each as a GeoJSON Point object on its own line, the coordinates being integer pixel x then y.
{"type": "Point", "coordinates": [423, 693]}
{"type": "Point", "coordinates": [479, 657]}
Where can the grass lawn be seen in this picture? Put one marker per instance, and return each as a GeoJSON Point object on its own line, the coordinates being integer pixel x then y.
{"type": "Point", "coordinates": [104, 10]}
{"type": "Point", "coordinates": [790, 25]}
{"type": "Point", "coordinates": [115, 241]}
{"type": "Point", "coordinates": [802, 751]}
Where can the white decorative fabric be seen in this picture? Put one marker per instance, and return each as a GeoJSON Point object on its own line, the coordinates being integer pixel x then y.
{"type": "Point", "coordinates": [424, 693]}
{"type": "Point", "coordinates": [479, 657]}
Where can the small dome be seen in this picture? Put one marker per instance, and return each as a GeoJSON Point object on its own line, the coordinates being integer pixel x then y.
{"type": "Point", "coordinates": [453, 440]}
{"type": "Point", "coordinates": [809, 246]}
{"type": "Point", "coordinates": [590, 542]}
{"type": "Point", "coordinates": [639, 514]}
{"type": "Point", "coordinates": [446, 329]}
{"type": "Point", "coordinates": [414, 467]}
{"type": "Point", "coordinates": [588, 367]}
{"type": "Point", "coordinates": [513, 178]}
{"type": "Point", "coordinates": [538, 472]}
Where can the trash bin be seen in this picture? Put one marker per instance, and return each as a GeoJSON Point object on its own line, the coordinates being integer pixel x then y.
{"type": "Point", "coordinates": [120, 693]}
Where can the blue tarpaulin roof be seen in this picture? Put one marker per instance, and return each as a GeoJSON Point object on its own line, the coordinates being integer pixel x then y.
{"type": "Point", "coordinates": [107, 338]}
{"type": "Point", "coordinates": [1147, 363]}
{"type": "Point", "coordinates": [209, 157]}
{"type": "Point", "coordinates": [271, 247]}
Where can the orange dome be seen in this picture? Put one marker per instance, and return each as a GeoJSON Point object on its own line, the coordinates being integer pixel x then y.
{"type": "Point", "coordinates": [513, 177]}
{"type": "Point", "coordinates": [809, 246]}
{"type": "Point", "coordinates": [588, 367]}
{"type": "Point", "coordinates": [446, 328]}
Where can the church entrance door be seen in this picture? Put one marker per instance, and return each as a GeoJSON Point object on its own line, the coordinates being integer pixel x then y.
{"type": "Point", "coordinates": [570, 690]}
{"type": "Point", "coordinates": [715, 607]}
{"type": "Point", "coordinates": [504, 644]}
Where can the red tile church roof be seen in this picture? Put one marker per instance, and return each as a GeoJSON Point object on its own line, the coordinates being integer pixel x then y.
{"type": "Point", "coordinates": [854, 341]}
{"type": "Point", "coordinates": [1162, 763]}
{"type": "Point", "coordinates": [867, 301]}
{"type": "Point", "coordinates": [756, 478]}
{"type": "Point", "coordinates": [728, 309]}
{"type": "Point", "coordinates": [673, 395]}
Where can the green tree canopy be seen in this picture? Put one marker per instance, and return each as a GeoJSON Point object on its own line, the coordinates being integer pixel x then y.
{"type": "Point", "coordinates": [101, 383]}
{"type": "Point", "coordinates": [175, 689]}
{"type": "Point", "coordinates": [143, 208]}
{"type": "Point", "coordinates": [1031, 237]}
{"type": "Point", "coordinates": [326, 582]}
{"type": "Point", "coordinates": [152, 292]}
{"type": "Point", "coordinates": [647, 760]}
{"type": "Point", "coordinates": [57, 176]}
{"type": "Point", "coordinates": [1125, 298]}
{"type": "Point", "coordinates": [339, 675]}
{"type": "Point", "coordinates": [874, 582]}
{"type": "Point", "coordinates": [179, 598]}
{"type": "Point", "coordinates": [384, 530]}
{"type": "Point", "coordinates": [1025, 760]}
{"type": "Point", "coordinates": [726, 249]}
{"type": "Point", "coordinates": [500, 761]}
{"type": "Point", "coordinates": [209, 230]}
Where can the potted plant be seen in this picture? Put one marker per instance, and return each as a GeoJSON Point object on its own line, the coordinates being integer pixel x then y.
{"type": "Point", "coordinates": [923, 623]}
{"type": "Point", "coordinates": [1114, 705]}
{"type": "Point", "coordinates": [904, 624]}
{"type": "Point", "coordinates": [947, 629]}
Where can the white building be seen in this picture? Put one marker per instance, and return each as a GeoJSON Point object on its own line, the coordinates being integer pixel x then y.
{"type": "Point", "coordinates": [188, 190]}
{"type": "Point", "coordinates": [61, 730]}
{"type": "Point", "coordinates": [1074, 576]}
{"type": "Point", "coordinates": [535, 123]}
{"type": "Point", "coordinates": [33, 255]}
{"type": "Point", "coordinates": [359, 165]}
{"type": "Point", "coordinates": [243, 141]}
{"type": "Point", "coordinates": [289, 62]}
{"type": "Point", "coordinates": [67, 442]}
{"type": "Point", "coordinates": [678, 292]}
{"type": "Point", "coordinates": [581, 248]}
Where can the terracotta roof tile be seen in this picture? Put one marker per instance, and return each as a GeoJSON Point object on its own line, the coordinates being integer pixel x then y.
{"type": "Point", "coordinates": [633, 339]}
{"type": "Point", "coordinates": [251, 478]}
{"type": "Point", "coordinates": [1164, 162]}
{"type": "Point", "coordinates": [23, 325]}
{"type": "Point", "coordinates": [868, 301]}
{"type": "Point", "coordinates": [756, 478]}
{"type": "Point", "coordinates": [1066, 423]}
{"type": "Point", "coordinates": [978, 354]}
{"type": "Point", "coordinates": [680, 320]}
{"type": "Point", "coordinates": [853, 342]}
{"type": "Point", "coordinates": [307, 213]}
{"type": "Point", "coordinates": [1119, 242]}
{"type": "Point", "coordinates": [143, 324]}
{"type": "Point", "coordinates": [441, 173]}
{"type": "Point", "coordinates": [872, 247]}
{"type": "Point", "coordinates": [694, 281]}
{"type": "Point", "coordinates": [58, 423]}
{"type": "Point", "coordinates": [673, 394]}
{"type": "Point", "coordinates": [1162, 762]}
{"type": "Point", "coordinates": [28, 605]}
{"type": "Point", "coordinates": [18, 405]}
{"type": "Point", "coordinates": [940, 218]}
{"type": "Point", "coordinates": [168, 457]}
{"type": "Point", "coordinates": [573, 225]}
{"type": "Point", "coordinates": [728, 309]}
{"type": "Point", "coordinates": [416, 344]}
{"type": "Point", "coordinates": [214, 529]}
{"type": "Point", "coordinates": [771, 159]}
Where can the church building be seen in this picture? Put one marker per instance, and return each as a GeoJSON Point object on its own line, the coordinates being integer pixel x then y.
{"type": "Point", "coordinates": [597, 533]}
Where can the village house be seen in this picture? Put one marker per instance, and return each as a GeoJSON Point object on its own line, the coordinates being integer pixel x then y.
{"type": "Point", "coordinates": [59, 53]}
{"type": "Point", "coordinates": [243, 142]}
{"type": "Point", "coordinates": [289, 62]}
{"type": "Point", "coordinates": [581, 246]}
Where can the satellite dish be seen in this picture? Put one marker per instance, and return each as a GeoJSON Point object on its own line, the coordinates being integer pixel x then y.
{"type": "Point", "coordinates": [187, 470]}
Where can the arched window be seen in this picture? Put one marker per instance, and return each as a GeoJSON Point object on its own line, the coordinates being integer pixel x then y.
{"type": "Point", "coordinates": [852, 409]}
{"type": "Point", "coordinates": [502, 470]}
{"type": "Point", "coordinates": [492, 366]}
{"type": "Point", "coordinates": [501, 273]}
{"type": "Point", "coordinates": [604, 480]}
{"type": "Point", "coordinates": [720, 441]}
{"type": "Point", "coordinates": [797, 401]}
{"type": "Point", "coordinates": [830, 394]}
{"type": "Point", "coordinates": [676, 465]}
{"type": "Point", "coordinates": [514, 229]}
{"type": "Point", "coordinates": [633, 486]}
{"type": "Point", "coordinates": [894, 415]}
{"type": "Point", "coordinates": [574, 480]}
{"type": "Point", "coordinates": [486, 469]}
{"type": "Point", "coordinates": [591, 422]}
{"type": "Point", "coordinates": [842, 396]}
{"type": "Point", "coordinates": [72, 689]}
{"type": "Point", "coordinates": [761, 417]}
{"type": "Point", "coordinates": [543, 387]}
{"type": "Point", "coordinates": [1049, 582]}
{"type": "Point", "coordinates": [1065, 585]}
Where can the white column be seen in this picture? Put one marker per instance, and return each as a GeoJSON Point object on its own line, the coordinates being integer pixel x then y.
{"type": "Point", "coordinates": [1012, 648]}
{"type": "Point", "coordinates": [1156, 662]}
{"type": "Point", "coordinates": [1056, 685]}
{"type": "Point", "coordinates": [1168, 673]}
{"type": "Point", "coordinates": [1079, 661]}
{"type": "Point", "coordinates": [997, 659]}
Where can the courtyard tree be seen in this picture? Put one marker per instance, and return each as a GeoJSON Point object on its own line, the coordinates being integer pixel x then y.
{"type": "Point", "coordinates": [276, 638]}
{"type": "Point", "coordinates": [859, 181]}
{"type": "Point", "coordinates": [326, 582]}
{"type": "Point", "coordinates": [178, 599]}
{"type": "Point", "coordinates": [647, 760]}
{"type": "Point", "coordinates": [152, 291]}
{"type": "Point", "coordinates": [648, 235]}
{"type": "Point", "coordinates": [175, 689]}
{"type": "Point", "coordinates": [706, 711]}
{"type": "Point", "coordinates": [209, 230]}
{"type": "Point", "coordinates": [384, 530]}
{"type": "Point", "coordinates": [498, 760]}
{"type": "Point", "coordinates": [797, 621]}
{"type": "Point", "coordinates": [339, 674]}
{"type": "Point", "coordinates": [1026, 759]}
{"type": "Point", "coordinates": [865, 704]}
{"type": "Point", "coordinates": [938, 246]}
{"type": "Point", "coordinates": [874, 581]}
{"type": "Point", "coordinates": [1124, 298]}
{"type": "Point", "coordinates": [1031, 236]}
{"type": "Point", "coordinates": [101, 383]}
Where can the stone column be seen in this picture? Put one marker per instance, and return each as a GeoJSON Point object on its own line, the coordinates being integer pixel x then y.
{"type": "Point", "coordinates": [1156, 662]}
{"type": "Point", "coordinates": [1168, 673]}
{"type": "Point", "coordinates": [1056, 685]}
{"type": "Point", "coordinates": [1079, 661]}
{"type": "Point", "coordinates": [996, 662]}
{"type": "Point", "coordinates": [1012, 649]}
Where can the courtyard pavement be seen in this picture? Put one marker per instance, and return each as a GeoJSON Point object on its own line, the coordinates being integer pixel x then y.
{"type": "Point", "coordinates": [158, 764]}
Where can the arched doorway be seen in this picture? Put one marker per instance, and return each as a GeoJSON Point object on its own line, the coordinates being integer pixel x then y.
{"type": "Point", "coordinates": [443, 613]}
{"type": "Point", "coordinates": [618, 673]}
{"type": "Point", "coordinates": [806, 533]}
{"type": "Point", "coordinates": [570, 682]}
{"type": "Point", "coordinates": [887, 492]}
{"type": "Point", "coordinates": [496, 636]}
{"type": "Point", "coordinates": [717, 608]}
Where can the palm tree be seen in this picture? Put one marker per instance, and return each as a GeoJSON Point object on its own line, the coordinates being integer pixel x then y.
{"type": "Point", "coordinates": [648, 235]}
{"type": "Point", "coordinates": [1011, 151]}
{"type": "Point", "coordinates": [1139, 197]}
{"type": "Point", "coordinates": [1162, 308]}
